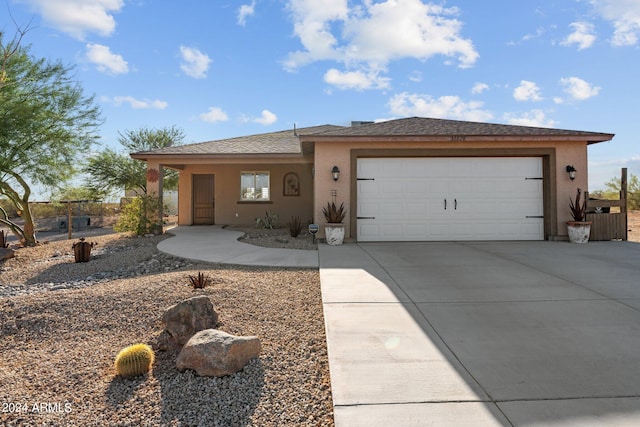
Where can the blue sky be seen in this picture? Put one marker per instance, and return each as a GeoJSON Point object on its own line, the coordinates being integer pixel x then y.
{"type": "Point", "coordinates": [220, 68]}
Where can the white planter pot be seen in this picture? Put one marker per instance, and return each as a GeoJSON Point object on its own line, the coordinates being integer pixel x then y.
{"type": "Point", "coordinates": [578, 231]}
{"type": "Point", "coordinates": [334, 233]}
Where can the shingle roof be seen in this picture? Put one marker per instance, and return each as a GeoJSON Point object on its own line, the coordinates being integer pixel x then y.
{"type": "Point", "coordinates": [286, 142]}
{"type": "Point", "coordinates": [419, 126]}
{"type": "Point", "coordinates": [281, 142]}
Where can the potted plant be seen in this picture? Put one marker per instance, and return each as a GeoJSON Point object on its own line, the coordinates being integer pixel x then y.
{"type": "Point", "coordinates": [333, 228]}
{"type": "Point", "coordinates": [578, 229]}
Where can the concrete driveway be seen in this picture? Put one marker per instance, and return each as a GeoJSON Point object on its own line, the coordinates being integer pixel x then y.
{"type": "Point", "coordinates": [483, 334]}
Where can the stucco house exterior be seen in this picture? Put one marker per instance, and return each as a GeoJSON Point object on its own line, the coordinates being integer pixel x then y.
{"type": "Point", "coordinates": [410, 179]}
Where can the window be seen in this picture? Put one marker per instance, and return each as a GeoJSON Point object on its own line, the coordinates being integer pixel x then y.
{"type": "Point", "coordinates": [254, 186]}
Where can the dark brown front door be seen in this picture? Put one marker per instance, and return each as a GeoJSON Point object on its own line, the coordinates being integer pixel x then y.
{"type": "Point", "coordinates": [203, 200]}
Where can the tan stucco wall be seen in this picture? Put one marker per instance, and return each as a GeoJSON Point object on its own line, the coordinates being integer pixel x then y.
{"type": "Point", "coordinates": [571, 154]}
{"type": "Point", "coordinates": [229, 210]}
{"type": "Point", "coordinates": [557, 155]}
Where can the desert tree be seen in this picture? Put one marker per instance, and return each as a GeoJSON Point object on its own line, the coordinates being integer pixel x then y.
{"type": "Point", "coordinates": [45, 122]}
{"type": "Point", "coordinates": [614, 186]}
{"type": "Point", "coordinates": [116, 170]}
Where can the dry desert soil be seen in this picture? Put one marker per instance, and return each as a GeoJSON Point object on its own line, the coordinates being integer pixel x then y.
{"type": "Point", "coordinates": [65, 323]}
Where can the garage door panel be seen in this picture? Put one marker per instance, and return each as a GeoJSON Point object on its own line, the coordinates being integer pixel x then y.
{"type": "Point", "coordinates": [368, 209]}
{"type": "Point", "coordinates": [366, 189]}
{"type": "Point", "coordinates": [392, 231]}
{"type": "Point", "coordinates": [391, 189]}
{"type": "Point", "coordinates": [368, 231]}
{"type": "Point", "coordinates": [415, 210]}
{"type": "Point", "coordinates": [486, 199]}
{"type": "Point", "coordinates": [391, 212]}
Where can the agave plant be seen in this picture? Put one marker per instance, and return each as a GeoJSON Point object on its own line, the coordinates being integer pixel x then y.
{"type": "Point", "coordinates": [334, 214]}
{"type": "Point", "coordinates": [295, 226]}
{"type": "Point", "coordinates": [200, 281]}
{"type": "Point", "coordinates": [578, 209]}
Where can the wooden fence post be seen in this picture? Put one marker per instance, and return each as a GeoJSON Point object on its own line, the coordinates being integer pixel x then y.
{"type": "Point", "coordinates": [623, 202]}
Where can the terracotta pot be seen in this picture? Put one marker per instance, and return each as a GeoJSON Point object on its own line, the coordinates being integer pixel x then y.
{"type": "Point", "coordinates": [579, 231]}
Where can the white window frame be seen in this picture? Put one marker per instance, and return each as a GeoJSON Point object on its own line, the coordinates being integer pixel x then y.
{"type": "Point", "coordinates": [249, 194]}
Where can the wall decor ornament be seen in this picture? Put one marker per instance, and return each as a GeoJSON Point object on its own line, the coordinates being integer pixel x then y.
{"type": "Point", "coordinates": [153, 175]}
{"type": "Point", "coordinates": [291, 184]}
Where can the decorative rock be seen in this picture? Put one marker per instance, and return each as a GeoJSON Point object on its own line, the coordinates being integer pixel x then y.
{"type": "Point", "coordinates": [214, 353]}
{"type": "Point", "coordinates": [164, 342]}
{"type": "Point", "coordinates": [187, 317]}
{"type": "Point", "coordinates": [6, 253]}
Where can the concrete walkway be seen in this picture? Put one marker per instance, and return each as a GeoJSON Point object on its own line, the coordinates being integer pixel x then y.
{"type": "Point", "coordinates": [468, 334]}
{"type": "Point", "coordinates": [216, 244]}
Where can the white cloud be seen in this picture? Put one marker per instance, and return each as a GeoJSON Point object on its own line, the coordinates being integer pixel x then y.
{"type": "Point", "coordinates": [105, 60]}
{"type": "Point", "coordinates": [479, 88]}
{"type": "Point", "coordinates": [527, 91]}
{"type": "Point", "coordinates": [582, 35]}
{"type": "Point", "coordinates": [579, 89]}
{"type": "Point", "coordinates": [539, 33]}
{"type": "Point", "coordinates": [365, 38]}
{"type": "Point", "coordinates": [245, 11]}
{"type": "Point", "coordinates": [195, 63]}
{"type": "Point", "coordinates": [446, 107]}
{"type": "Point", "coordinates": [625, 17]}
{"type": "Point", "coordinates": [137, 104]}
{"type": "Point", "coordinates": [267, 118]}
{"type": "Point", "coordinates": [358, 80]}
{"type": "Point", "coordinates": [79, 17]}
{"type": "Point", "coordinates": [415, 76]}
{"type": "Point", "coordinates": [215, 114]}
{"type": "Point", "coordinates": [535, 118]}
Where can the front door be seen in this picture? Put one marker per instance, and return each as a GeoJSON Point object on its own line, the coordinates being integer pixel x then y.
{"type": "Point", "coordinates": [203, 200]}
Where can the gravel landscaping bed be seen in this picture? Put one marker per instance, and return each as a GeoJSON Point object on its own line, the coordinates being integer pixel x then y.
{"type": "Point", "coordinates": [62, 324]}
{"type": "Point", "coordinates": [276, 238]}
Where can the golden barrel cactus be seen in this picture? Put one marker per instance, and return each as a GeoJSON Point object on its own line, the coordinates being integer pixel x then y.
{"type": "Point", "coordinates": [134, 360]}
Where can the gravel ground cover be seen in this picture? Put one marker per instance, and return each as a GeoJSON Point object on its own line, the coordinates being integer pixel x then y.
{"type": "Point", "coordinates": [276, 238]}
{"type": "Point", "coordinates": [62, 324]}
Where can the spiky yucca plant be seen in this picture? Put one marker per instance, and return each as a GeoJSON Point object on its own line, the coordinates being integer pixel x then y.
{"type": "Point", "coordinates": [295, 226]}
{"type": "Point", "coordinates": [578, 209]}
{"type": "Point", "coordinates": [334, 214]}
{"type": "Point", "coordinates": [200, 281]}
{"type": "Point", "coordinates": [134, 360]}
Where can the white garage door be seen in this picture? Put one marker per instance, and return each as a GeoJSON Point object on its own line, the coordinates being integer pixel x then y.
{"type": "Point", "coordinates": [436, 199]}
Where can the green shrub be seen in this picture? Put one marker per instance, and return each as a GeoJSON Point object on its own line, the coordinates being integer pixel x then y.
{"type": "Point", "coordinates": [270, 220]}
{"type": "Point", "coordinates": [139, 216]}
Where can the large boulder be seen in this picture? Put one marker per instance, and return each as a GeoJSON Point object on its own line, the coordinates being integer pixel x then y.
{"type": "Point", "coordinates": [214, 353]}
{"type": "Point", "coordinates": [187, 317]}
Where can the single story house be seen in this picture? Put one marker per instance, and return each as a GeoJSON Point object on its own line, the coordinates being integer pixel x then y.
{"type": "Point", "coordinates": [410, 179]}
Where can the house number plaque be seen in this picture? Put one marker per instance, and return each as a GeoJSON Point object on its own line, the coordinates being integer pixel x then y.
{"type": "Point", "coordinates": [313, 229]}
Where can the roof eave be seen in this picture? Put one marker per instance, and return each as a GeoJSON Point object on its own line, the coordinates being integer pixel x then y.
{"type": "Point", "coordinates": [212, 156]}
{"type": "Point", "coordinates": [589, 138]}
